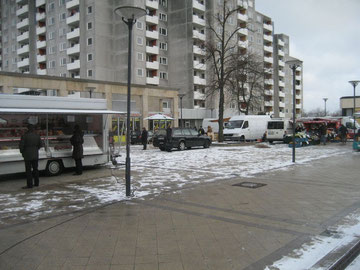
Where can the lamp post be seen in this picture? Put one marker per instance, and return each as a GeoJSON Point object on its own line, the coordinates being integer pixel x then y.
{"type": "Point", "coordinates": [181, 107]}
{"type": "Point", "coordinates": [325, 99]}
{"type": "Point", "coordinates": [129, 14]}
{"type": "Point", "coordinates": [294, 64]}
{"type": "Point", "coordinates": [354, 84]}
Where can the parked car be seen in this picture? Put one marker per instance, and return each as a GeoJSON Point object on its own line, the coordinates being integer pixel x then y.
{"type": "Point", "coordinates": [150, 136]}
{"type": "Point", "coordinates": [181, 138]}
{"type": "Point", "coordinates": [135, 137]}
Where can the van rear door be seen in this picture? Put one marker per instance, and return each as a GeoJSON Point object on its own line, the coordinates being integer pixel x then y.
{"type": "Point", "coordinates": [275, 130]}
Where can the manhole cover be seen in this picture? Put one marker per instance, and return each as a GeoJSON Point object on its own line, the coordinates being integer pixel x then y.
{"type": "Point", "coordinates": [249, 185]}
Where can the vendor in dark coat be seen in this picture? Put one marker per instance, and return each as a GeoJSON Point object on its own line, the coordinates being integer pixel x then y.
{"type": "Point", "coordinates": [29, 146]}
{"type": "Point", "coordinates": [77, 141]}
{"type": "Point", "coordinates": [144, 137]}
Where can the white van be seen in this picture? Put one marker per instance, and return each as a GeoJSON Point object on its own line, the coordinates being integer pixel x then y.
{"type": "Point", "coordinates": [277, 128]}
{"type": "Point", "coordinates": [246, 127]}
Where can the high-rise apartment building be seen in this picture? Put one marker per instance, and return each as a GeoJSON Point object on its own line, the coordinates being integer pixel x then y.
{"type": "Point", "coordinates": [86, 39]}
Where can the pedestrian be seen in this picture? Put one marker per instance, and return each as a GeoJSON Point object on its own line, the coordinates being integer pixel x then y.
{"type": "Point", "coordinates": [210, 133]}
{"type": "Point", "coordinates": [201, 131]}
{"type": "Point", "coordinates": [77, 141]}
{"type": "Point", "coordinates": [144, 137]}
{"type": "Point", "coordinates": [343, 133]}
{"type": "Point", "coordinates": [323, 133]}
{"type": "Point", "coordinates": [29, 146]}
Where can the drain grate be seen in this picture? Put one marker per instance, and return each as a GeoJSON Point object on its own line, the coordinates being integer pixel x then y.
{"type": "Point", "coordinates": [249, 185]}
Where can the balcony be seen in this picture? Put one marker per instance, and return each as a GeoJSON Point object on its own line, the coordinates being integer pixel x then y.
{"type": "Point", "coordinates": [281, 63]}
{"type": "Point", "coordinates": [298, 87]}
{"type": "Point", "coordinates": [197, 5]}
{"type": "Point", "coordinates": [281, 104]}
{"type": "Point", "coordinates": [73, 50]}
{"type": "Point", "coordinates": [23, 24]}
{"type": "Point", "coordinates": [73, 34]}
{"type": "Point", "coordinates": [40, 3]}
{"type": "Point", "coordinates": [40, 30]}
{"type": "Point", "coordinates": [243, 44]}
{"type": "Point", "coordinates": [22, 11]}
{"type": "Point", "coordinates": [21, 1]}
{"type": "Point", "coordinates": [281, 84]}
{"type": "Point", "coordinates": [281, 73]}
{"type": "Point", "coordinates": [74, 65]}
{"type": "Point", "coordinates": [281, 43]}
{"type": "Point", "coordinates": [74, 19]}
{"type": "Point", "coordinates": [152, 34]}
{"type": "Point", "coordinates": [269, 103]}
{"type": "Point", "coordinates": [41, 71]}
{"type": "Point", "coordinates": [269, 92]}
{"type": "Point", "coordinates": [198, 35]}
{"type": "Point", "coordinates": [152, 80]}
{"type": "Point", "coordinates": [298, 97]}
{"type": "Point", "coordinates": [41, 58]}
{"type": "Point", "coordinates": [268, 38]}
{"type": "Point", "coordinates": [242, 3]}
{"type": "Point", "coordinates": [152, 65]}
{"type": "Point", "coordinates": [281, 114]}
{"type": "Point", "coordinates": [152, 4]}
{"type": "Point", "coordinates": [199, 81]}
{"type": "Point", "coordinates": [23, 37]}
{"type": "Point", "coordinates": [298, 77]}
{"type": "Point", "coordinates": [152, 19]}
{"type": "Point", "coordinates": [281, 94]}
{"type": "Point", "coordinates": [268, 49]}
{"type": "Point", "coordinates": [197, 20]}
{"type": "Point", "coordinates": [298, 106]}
{"type": "Point", "coordinates": [242, 17]}
{"type": "Point", "coordinates": [72, 4]}
{"type": "Point", "coordinates": [268, 59]}
{"type": "Point", "coordinates": [23, 50]}
{"type": "Point", "coordinates": [199, 66]}
{"type": "Point", "coordinates": [268, 27]}
{"type": "Point", "coordinates": [152, 49]}
{"type": "Point", "coordinates": [23, 63]}
{"type": "Point", "coordinates": [199, 96]}
{"type": "Point", "coordinates": [269, 81]}
{"type": "Point", "coordinates": [41, 44]}
{"type": "Point", "coordinates": [281, 53]}
{"type": "Point", "coordinates": [40, 16]}
{"type": "Point", "coordinates": [198, 50]}
{"type": "Point", "coordinates": [243, 31]}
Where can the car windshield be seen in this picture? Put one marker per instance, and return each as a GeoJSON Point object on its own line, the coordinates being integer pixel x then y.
{"type": "Point", "coordinates": [160, 132]}
{"type": "Point", "coordinates": [235, 124]}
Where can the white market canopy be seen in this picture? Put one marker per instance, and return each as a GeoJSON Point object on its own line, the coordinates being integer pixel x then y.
{"type": "Point", "coordinates": [159, 117]}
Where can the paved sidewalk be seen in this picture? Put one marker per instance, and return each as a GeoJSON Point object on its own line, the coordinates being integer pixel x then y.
{"type": "Point", "coordinates": [207, 226]}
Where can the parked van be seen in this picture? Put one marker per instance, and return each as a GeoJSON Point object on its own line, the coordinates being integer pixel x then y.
{"type": "Point", "coordinates": [213, 123]}
{"type": "Point", "coordinates": [246, 127]}
{"type": "Point", "coordinates": [277, 128]}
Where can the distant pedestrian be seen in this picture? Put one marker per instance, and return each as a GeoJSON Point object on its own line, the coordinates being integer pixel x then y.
{"type": "Point", "coordinates": [144, 138]}
{"type": "Point", "coordinates": [201, 131]}
{"type": "Point", "coordinates": [323, 133]}
{"type": "Point", "coordinates": [210, 133]}
{"type": "Point", "coordinates": [343, 133]}
{"type": "Point", "coordinates": [29, 146]}
{"type": "Point", "coordinates": [77, 141]}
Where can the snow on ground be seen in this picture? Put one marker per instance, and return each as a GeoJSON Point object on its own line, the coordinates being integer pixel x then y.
{"type": "Point", "coordinates": [319, 246]}
{"type": "Point", "coordinates": [154, 171]}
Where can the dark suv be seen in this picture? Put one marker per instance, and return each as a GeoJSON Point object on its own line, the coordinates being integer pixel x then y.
{"type": "Point", "coordinates": [181, 138]}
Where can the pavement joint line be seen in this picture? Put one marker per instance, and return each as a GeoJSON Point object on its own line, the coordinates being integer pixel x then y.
{"type": "Point", "coordinates": [293, 222]}
{"type": "Point", "coordinates": [224, 219]}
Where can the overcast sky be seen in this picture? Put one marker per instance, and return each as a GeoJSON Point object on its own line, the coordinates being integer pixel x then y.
{"type": "Point", "coordinates": [325, 35]}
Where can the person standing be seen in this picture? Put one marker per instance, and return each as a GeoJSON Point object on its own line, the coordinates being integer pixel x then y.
{"type": "Point", "coordinates": [323, 133]}
{"type": "Point", "coordinates": [201, 131]}
{"type": "Point", "coordinates": [77, 141]}
{"type": "Point", "coordinates": [29, 146]}
{"type": "Point", "coordinates": [144, 137]}
{"type": "Point", "coordinates": [210, 133]}
{"type": "Point", "coordinates": [343, 133]}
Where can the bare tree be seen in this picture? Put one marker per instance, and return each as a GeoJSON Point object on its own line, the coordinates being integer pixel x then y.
{"type": "Point", "coordinates": [220, 46]}
{"type": "Point", "coordinates": [246, 84]}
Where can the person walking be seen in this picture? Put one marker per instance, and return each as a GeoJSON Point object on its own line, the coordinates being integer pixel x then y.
{"type": "Point", "coordinates": [144, 137]}
{"type": "Point", "coordinates": [77, 141]}
{"type": "Point", "coordinates": [29, 146]}
{"type": "Point", "coordinates": [343, 133]}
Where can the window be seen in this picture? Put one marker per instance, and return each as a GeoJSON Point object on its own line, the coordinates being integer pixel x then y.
{"type": "Point", "coordinates": [140, 72]}
{"type": "Point", "coordinates": [51, 6]}
{"type": "Point", "coordinates": [140, 56]}
{"type": "Point", "coordinates": [163, 60]}
{"type": "Point", "coordinates": [90, 73]}
{"type": "Point", "coordinates": [139, 41]}
{"type": "Point", "coordinates": [13, 48]}
{"type": "Point", "coordinates": [62, 2]}
{"type": "Point", "coordinates": [139, 25]}
{"type": "Point", "coordinates": [51, 35]}
{"type": "Point", "coordinates": [62, 46]}
{"type": "Point", "coordinates": [163, 3]}
{"type": "Point", "coordinates": [90, 57]}
{"type": "Point", "coordinates": [163, 75]}
{"type": "Point", "coordinates": [89, 41]}
{"type": "Point", "coordinates": [166, 105]}
{"type": "Point", "coordinates": [62, 32]}
{"type": "Point", "coordinates": [62, 16]}
{"type": "Point", "coordinates": [51, 50]}
{"type": "Point", "coordinates": [89, 10]}
{"type": "Point", "coordinates": [89, 25]}
{"type": "Point", "coordinates": [63, 61]}
{"type": "Point", "coordinates": [163, 17]}
{"type": "Point", "coordinates": [14, 60]}
{"type": "Point", "coordinates": [51, 20]}
{"type": "Point", "coordinates": [163, 31]}
{"type": "Point", "coordinates": [5, 39]}
{"type": "Point", "coordinates": [51, 64]}
{"type": "Point", "coordinates": [163, 46]}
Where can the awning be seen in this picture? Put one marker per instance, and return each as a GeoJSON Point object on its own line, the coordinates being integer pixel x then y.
{"type": "Point", "coordinates": [159, 117]}
{"type": "Point", "coordinates": [57, 111]}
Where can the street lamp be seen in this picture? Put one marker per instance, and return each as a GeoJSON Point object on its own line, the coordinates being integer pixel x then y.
{"type": "Point", "coordinates": [181, 107]}
{"type": "Point", "coordinates": [294, 64]}
{"type": "Point", "coordinates": [129, 14]}
{"type": "Point", "coordinates": [354, 84]}
{"type": "Point", "coordinates": [325, 99]}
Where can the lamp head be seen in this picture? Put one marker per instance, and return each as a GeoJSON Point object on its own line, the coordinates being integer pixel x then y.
{"type": "Point", "coordinates": [354, 83]}
{"type": "Point", "coordinates": [294, 63]}
{"type": "Point", "coordinates": [130, 12]}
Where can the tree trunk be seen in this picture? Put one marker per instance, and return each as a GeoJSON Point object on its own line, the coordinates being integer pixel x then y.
{"type": "Point", "coordinates": [221, 115]}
